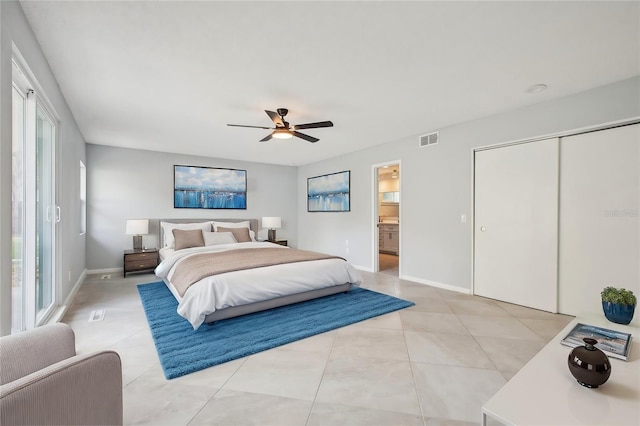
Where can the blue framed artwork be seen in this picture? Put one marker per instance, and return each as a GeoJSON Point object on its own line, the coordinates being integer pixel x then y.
{"type": "Point", "coordinates": [329, 193]}
{"type": "Point", "coordinates": [209, 188]}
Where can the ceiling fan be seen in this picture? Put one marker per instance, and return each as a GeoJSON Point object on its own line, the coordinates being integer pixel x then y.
{"type": "Point", "coordinates": [284, 130]}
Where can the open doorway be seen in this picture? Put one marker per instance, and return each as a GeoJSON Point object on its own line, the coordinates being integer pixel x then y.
{"type": "Point", "coordinates": [387, 218]}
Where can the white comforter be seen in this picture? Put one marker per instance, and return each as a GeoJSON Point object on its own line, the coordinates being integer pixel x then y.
{"type": "Point", "coordinates": [251, 285]}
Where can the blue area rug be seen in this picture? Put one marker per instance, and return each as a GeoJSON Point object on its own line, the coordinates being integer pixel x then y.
{"type": "Point", "coordinates": [182, 350]}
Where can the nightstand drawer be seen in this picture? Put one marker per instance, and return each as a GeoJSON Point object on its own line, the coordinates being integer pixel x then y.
{"type": "Point", "coordinates": [140, 264]}
{"type": "Point", "coordinates": [137, 257]}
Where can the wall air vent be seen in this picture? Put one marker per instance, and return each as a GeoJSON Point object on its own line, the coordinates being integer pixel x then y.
{"type": "Point", "coordinates": [429, 139]}
{"type": "Point", "coordinates": [97, 315]}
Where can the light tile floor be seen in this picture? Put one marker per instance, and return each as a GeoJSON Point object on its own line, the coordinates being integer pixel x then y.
{"type": "Point", "coordinates": [435, 363]}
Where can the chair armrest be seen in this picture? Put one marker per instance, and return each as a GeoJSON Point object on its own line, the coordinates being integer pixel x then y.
{"type": "Point", "coordinates": [29, 351]}
{"type": "Point", "coordinates": [81, 390]}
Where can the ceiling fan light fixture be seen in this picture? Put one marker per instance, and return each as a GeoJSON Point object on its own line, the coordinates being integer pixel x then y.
{"type": "Point", "coordinates": [282, 134]}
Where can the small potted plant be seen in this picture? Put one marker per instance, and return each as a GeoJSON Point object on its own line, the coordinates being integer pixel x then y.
{"type": "Point", "coordinates": [618, 304]}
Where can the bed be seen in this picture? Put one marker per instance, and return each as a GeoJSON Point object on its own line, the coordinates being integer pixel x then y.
{"type": "Point", "coordinates": [233, 274]}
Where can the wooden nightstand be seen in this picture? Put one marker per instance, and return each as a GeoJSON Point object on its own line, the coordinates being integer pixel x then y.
{"type": "Point", "coordinates": [281, 242]}
{"type": "Point", "coordinates": [140, 260]}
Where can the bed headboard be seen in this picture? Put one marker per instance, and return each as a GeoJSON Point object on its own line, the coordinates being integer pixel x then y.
{"type": "Point", "coordinates": [155, 228]}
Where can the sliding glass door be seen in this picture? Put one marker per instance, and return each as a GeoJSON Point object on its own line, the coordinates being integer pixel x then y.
{"type": "Point", "coordinates": [17, 209]}
{"type": "Point", "coordinates": [46, 212]}
{"type": "Point", "coordinates": [34, 210]}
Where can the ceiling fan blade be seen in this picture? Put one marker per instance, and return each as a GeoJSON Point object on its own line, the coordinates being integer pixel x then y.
{"type": "Point", "coordinates": [275, 118]}
{"type": "Point", "coordinates": [305, 137]}
{"type": "Point", "coordinates": [313, 125]}
{"type": "Point", "coordinates": [266, 138]}
{"type": "Point", "coordinates": [254, 127]}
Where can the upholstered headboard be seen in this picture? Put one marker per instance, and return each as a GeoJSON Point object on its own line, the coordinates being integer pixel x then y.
{"type": "Point", "coordinates": [155, 228]}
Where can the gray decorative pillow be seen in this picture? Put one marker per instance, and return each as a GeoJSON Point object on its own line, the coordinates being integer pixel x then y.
{"type": "Point", "coordinates": [241, 234]}
{"type": "Point", "coordinates": [188, 238]}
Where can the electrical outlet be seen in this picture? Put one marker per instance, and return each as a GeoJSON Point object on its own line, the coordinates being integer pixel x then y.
{"type": "Point", "coordinates": [69, 275]}
{"type": "Point", "coordinates": [463, 218]}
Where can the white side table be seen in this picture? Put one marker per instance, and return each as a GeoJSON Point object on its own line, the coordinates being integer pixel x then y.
{"type": "Point", "coordinates": [544, 392]}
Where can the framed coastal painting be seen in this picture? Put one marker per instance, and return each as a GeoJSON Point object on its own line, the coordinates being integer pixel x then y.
{"type": "Point", "coordinates": [209, 188]}
{"type": "Point", "coordinates": [329, 193]}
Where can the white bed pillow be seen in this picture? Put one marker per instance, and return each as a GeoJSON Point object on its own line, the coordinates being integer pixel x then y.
{"type": "Point", "coordinates": [168, 227]}
{"type": "Point", "coordinates": [243, 224]}
{"type": "Point", "coordinates": [215, 238]}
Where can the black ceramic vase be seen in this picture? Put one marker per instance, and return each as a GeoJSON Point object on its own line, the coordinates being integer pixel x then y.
{"type": "Point", "coordinates": [589, 365]}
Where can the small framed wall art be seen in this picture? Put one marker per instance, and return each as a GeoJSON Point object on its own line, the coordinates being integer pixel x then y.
{"type": "Point", "coordinates": [329, 193]}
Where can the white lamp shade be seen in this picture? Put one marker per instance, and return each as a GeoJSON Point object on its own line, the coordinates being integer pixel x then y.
{"type": "Point", "coordinates": [137, 227]}
{"type": "Point", "coordinates": [271, 222]}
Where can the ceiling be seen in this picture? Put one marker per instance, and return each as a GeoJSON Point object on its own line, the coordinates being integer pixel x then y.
{"type": "Point", "coordinates": [169, 76]}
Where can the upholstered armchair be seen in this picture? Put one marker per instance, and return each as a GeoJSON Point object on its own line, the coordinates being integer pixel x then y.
{"type": "Point", "coordinates": [43, 381]}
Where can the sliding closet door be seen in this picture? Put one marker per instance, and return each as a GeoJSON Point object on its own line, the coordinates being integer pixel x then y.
{"type": "Point", "coordinates": [599, 217]}
{"type": "Point", "coordinates": [516, 224]}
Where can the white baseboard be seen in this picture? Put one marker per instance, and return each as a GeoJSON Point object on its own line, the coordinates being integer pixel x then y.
{"type": "Point", "coordinates": [62, 309]}
{"type": "Point", "coordinates": [437, 284]}
{"type": "Point", "coordinates": [104, 271]}
{"type": "Point", "coordinates": [362, 268]}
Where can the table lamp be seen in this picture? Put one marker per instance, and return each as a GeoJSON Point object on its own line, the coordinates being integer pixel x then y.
{"type": "Point", "coordinates": [137, 228]}
{"type": "Point", "coordinates": [271, 223]}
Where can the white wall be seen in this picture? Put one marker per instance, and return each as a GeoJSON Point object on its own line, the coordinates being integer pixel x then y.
{"type": "Point", "coordinates": [133, 184]}
{"type": "Point", "coordinates": [388, 184]}
{"type": "Point", "coordinates": [70, 151]}
{"type": "Point", "coordinates": [436, 184]}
